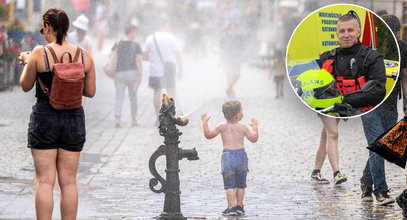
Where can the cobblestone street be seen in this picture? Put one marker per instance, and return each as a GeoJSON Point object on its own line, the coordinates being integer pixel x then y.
{"type": "Point", "coordinates": [113, 172]}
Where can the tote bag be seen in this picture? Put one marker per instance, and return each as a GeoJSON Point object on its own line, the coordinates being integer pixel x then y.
{"type": "Point", "coordinates": [391, 145]}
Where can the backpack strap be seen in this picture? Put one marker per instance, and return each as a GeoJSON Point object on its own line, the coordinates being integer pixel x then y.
{"type": "Point", "coordinates": [69, 56]}
{"type": "Point", "coordinates": [79, 51]}
{"type": "Point", "coordinates": [76, 57]}
{"type": "Point", "coordinates": [42, 85]}
{"type": "Point", "coordinates": [47, 67]}
{"type": "Point", "coordinates": [83, 58]}
{"type": "Point", "coordinates": [158, 49]}
{"type": "Point", "coordinates": [54, 55]}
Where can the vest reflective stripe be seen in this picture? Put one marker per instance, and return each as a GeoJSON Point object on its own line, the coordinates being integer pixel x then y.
{"type": "Point", "coordinates": [346, 85]}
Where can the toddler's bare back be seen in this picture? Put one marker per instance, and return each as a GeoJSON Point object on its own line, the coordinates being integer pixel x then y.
{"type": "Point", "coordinates": [232, 135]}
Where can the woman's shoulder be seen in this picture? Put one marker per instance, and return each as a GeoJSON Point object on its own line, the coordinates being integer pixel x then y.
{"type": "Point", "coordinates": [74, 47]}
{"type": "Point", "coordinates": [38, 50]}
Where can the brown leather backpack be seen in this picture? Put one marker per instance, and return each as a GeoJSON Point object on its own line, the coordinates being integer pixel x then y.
{"type": "Point", "coordinates": [67, 81]}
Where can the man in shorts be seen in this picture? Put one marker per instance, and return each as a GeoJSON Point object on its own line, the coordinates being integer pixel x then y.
{"type": "Point", "coordinates": [162, 51]}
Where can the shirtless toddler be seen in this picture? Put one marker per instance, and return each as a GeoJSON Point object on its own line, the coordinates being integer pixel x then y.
{"type": "Point", "coordinates": [234, 158]}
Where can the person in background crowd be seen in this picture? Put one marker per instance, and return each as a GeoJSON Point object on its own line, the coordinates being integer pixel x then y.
{"type": "Point", "coordinates": [128, 72]}
{"type": "Point", "coordinates": [232, 56]}
{"type": "Point", "coordinates": [79, 36]}
{"type": "Point", "coordinates": [164, 54]}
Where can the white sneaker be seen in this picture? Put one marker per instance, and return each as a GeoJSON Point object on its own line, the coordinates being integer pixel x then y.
{"type": "Point", "coordinates": [318, 178]}
{"type": "Point", "coordinates": [340, 178]}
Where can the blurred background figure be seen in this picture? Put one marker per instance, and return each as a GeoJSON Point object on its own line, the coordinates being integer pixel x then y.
{"type": "Point", "coordinates": [3, 38]}
{"type": "Point", "coordinates": [128, 72]}
{"type": "Point", "coordinates": [232, 55]}
{"type": "Point", "coordinates": [101, 24]}
{"type": "Point", "coordinates": [194, 39]}
{"type": "Point", "coordinates": [38, 38]}
{"type": "Point", "coordinates": [163, 53]}
{"type": "Point", "coordinates": [79, 36]}
{"type": "Point", "coordinates": [278, 70]}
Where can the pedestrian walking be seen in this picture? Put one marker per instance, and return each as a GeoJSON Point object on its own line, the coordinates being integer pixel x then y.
{"type": "Point", "coordinates": [232, 55]}
{"type": "Point", "coordinates": [375, 123]}
{"type": "Point", "coordinates": [234, 157]}
{"type": "Point", "coordinates": [128, 72]}
{"type": "Point", "coordinates": [278, 69]}
{"type": "Point", "coordinates": [101, 24]}
{"type": "Point", "coordinates": [164, 55]}
{"type": "Point", "coordinates": [55, 137]}
{"type": "Point", "coordinates": [328, 145]}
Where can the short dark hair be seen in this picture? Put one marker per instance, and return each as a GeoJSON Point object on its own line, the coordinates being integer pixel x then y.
{"type": "Point", "coordinates": [129, 28]}
{"type": "Point", "coordinates": [59, 21]}
{"type": "Point", "coordinates": [393, 22]}
{"type": "Point", "coordinates": [230, 109]}
{"type": "Point", "coordinates": [347, 17]}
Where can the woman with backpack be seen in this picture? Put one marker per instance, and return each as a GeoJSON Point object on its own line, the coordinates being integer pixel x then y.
{"type": "Point", "coordinates": [56, 131]}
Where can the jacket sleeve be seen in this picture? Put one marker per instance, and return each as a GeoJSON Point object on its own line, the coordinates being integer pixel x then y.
{"type": "Point", "coordinates": [322, 58]}
{"type": "Point", "coordinates": [374, 94]}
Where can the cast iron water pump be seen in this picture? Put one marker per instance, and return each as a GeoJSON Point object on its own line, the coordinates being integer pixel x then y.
{"type": "Point", "coordinates": [170, 185]}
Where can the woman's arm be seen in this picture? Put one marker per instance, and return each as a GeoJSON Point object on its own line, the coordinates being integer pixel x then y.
{"type": "Point", "coordinates": [139, 63]}
{"type": "Point", "coordinates": [29, 73]}
{"type": "Point", "coordinates": [90, 76]}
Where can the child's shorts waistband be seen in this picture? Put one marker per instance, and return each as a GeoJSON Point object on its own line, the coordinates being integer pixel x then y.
{"type": "Point", "coordinates": [237, 150]}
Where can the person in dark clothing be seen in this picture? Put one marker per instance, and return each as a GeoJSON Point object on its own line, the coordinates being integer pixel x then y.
{"type": "Point", "coordinates": [128, 72]}
{"type": "Point", "coordinates": [56, 137]}
{"type": "Point", "coordinates": [400, 87]}
{"type": "Point", "coordinates": [354, 65]}
{"type": "Point", "coordinates": [375, 123]}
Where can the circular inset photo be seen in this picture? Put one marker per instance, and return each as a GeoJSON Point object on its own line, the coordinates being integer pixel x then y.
{"type": "Point", "coordinates": [343, 60]}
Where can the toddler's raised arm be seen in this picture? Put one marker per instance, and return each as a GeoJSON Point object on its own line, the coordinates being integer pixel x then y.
{"type": "Point", "coordinates": [208, 133]}
{"type": "Point", "coordinates": [252, 135]}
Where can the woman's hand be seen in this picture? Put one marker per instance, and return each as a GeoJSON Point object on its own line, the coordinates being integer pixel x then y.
{"type": "Point", "coordinates": [23, 58]}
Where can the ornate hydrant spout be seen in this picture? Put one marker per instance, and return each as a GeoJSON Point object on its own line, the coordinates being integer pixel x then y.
{"type": "Point", "coordinates": [181, 121]}
{"type": "Point", "coordinates": [170, 185]}
{"type": "Point", "coordinates": [190, 154]}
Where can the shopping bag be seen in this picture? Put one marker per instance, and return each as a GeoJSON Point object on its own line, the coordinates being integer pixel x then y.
{"type": "Point", "coordinates": [391, 145]}
{"type": "Point", "coordinates": [110, 67]}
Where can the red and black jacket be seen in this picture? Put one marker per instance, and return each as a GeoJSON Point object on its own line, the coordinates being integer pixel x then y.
{"type": "Point", "coordinates": [352, 68]}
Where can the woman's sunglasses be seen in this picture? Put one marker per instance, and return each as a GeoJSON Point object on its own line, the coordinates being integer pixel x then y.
{"type": "Point", "coordinates": [42, 29]}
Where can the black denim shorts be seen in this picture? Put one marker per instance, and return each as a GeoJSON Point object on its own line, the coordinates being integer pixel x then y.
{"type": "Point", "coordinates": [51, 129]}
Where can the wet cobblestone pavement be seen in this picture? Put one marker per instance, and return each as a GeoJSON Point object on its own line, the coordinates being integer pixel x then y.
{"type": "Point", "coordinates": [113, 173]}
